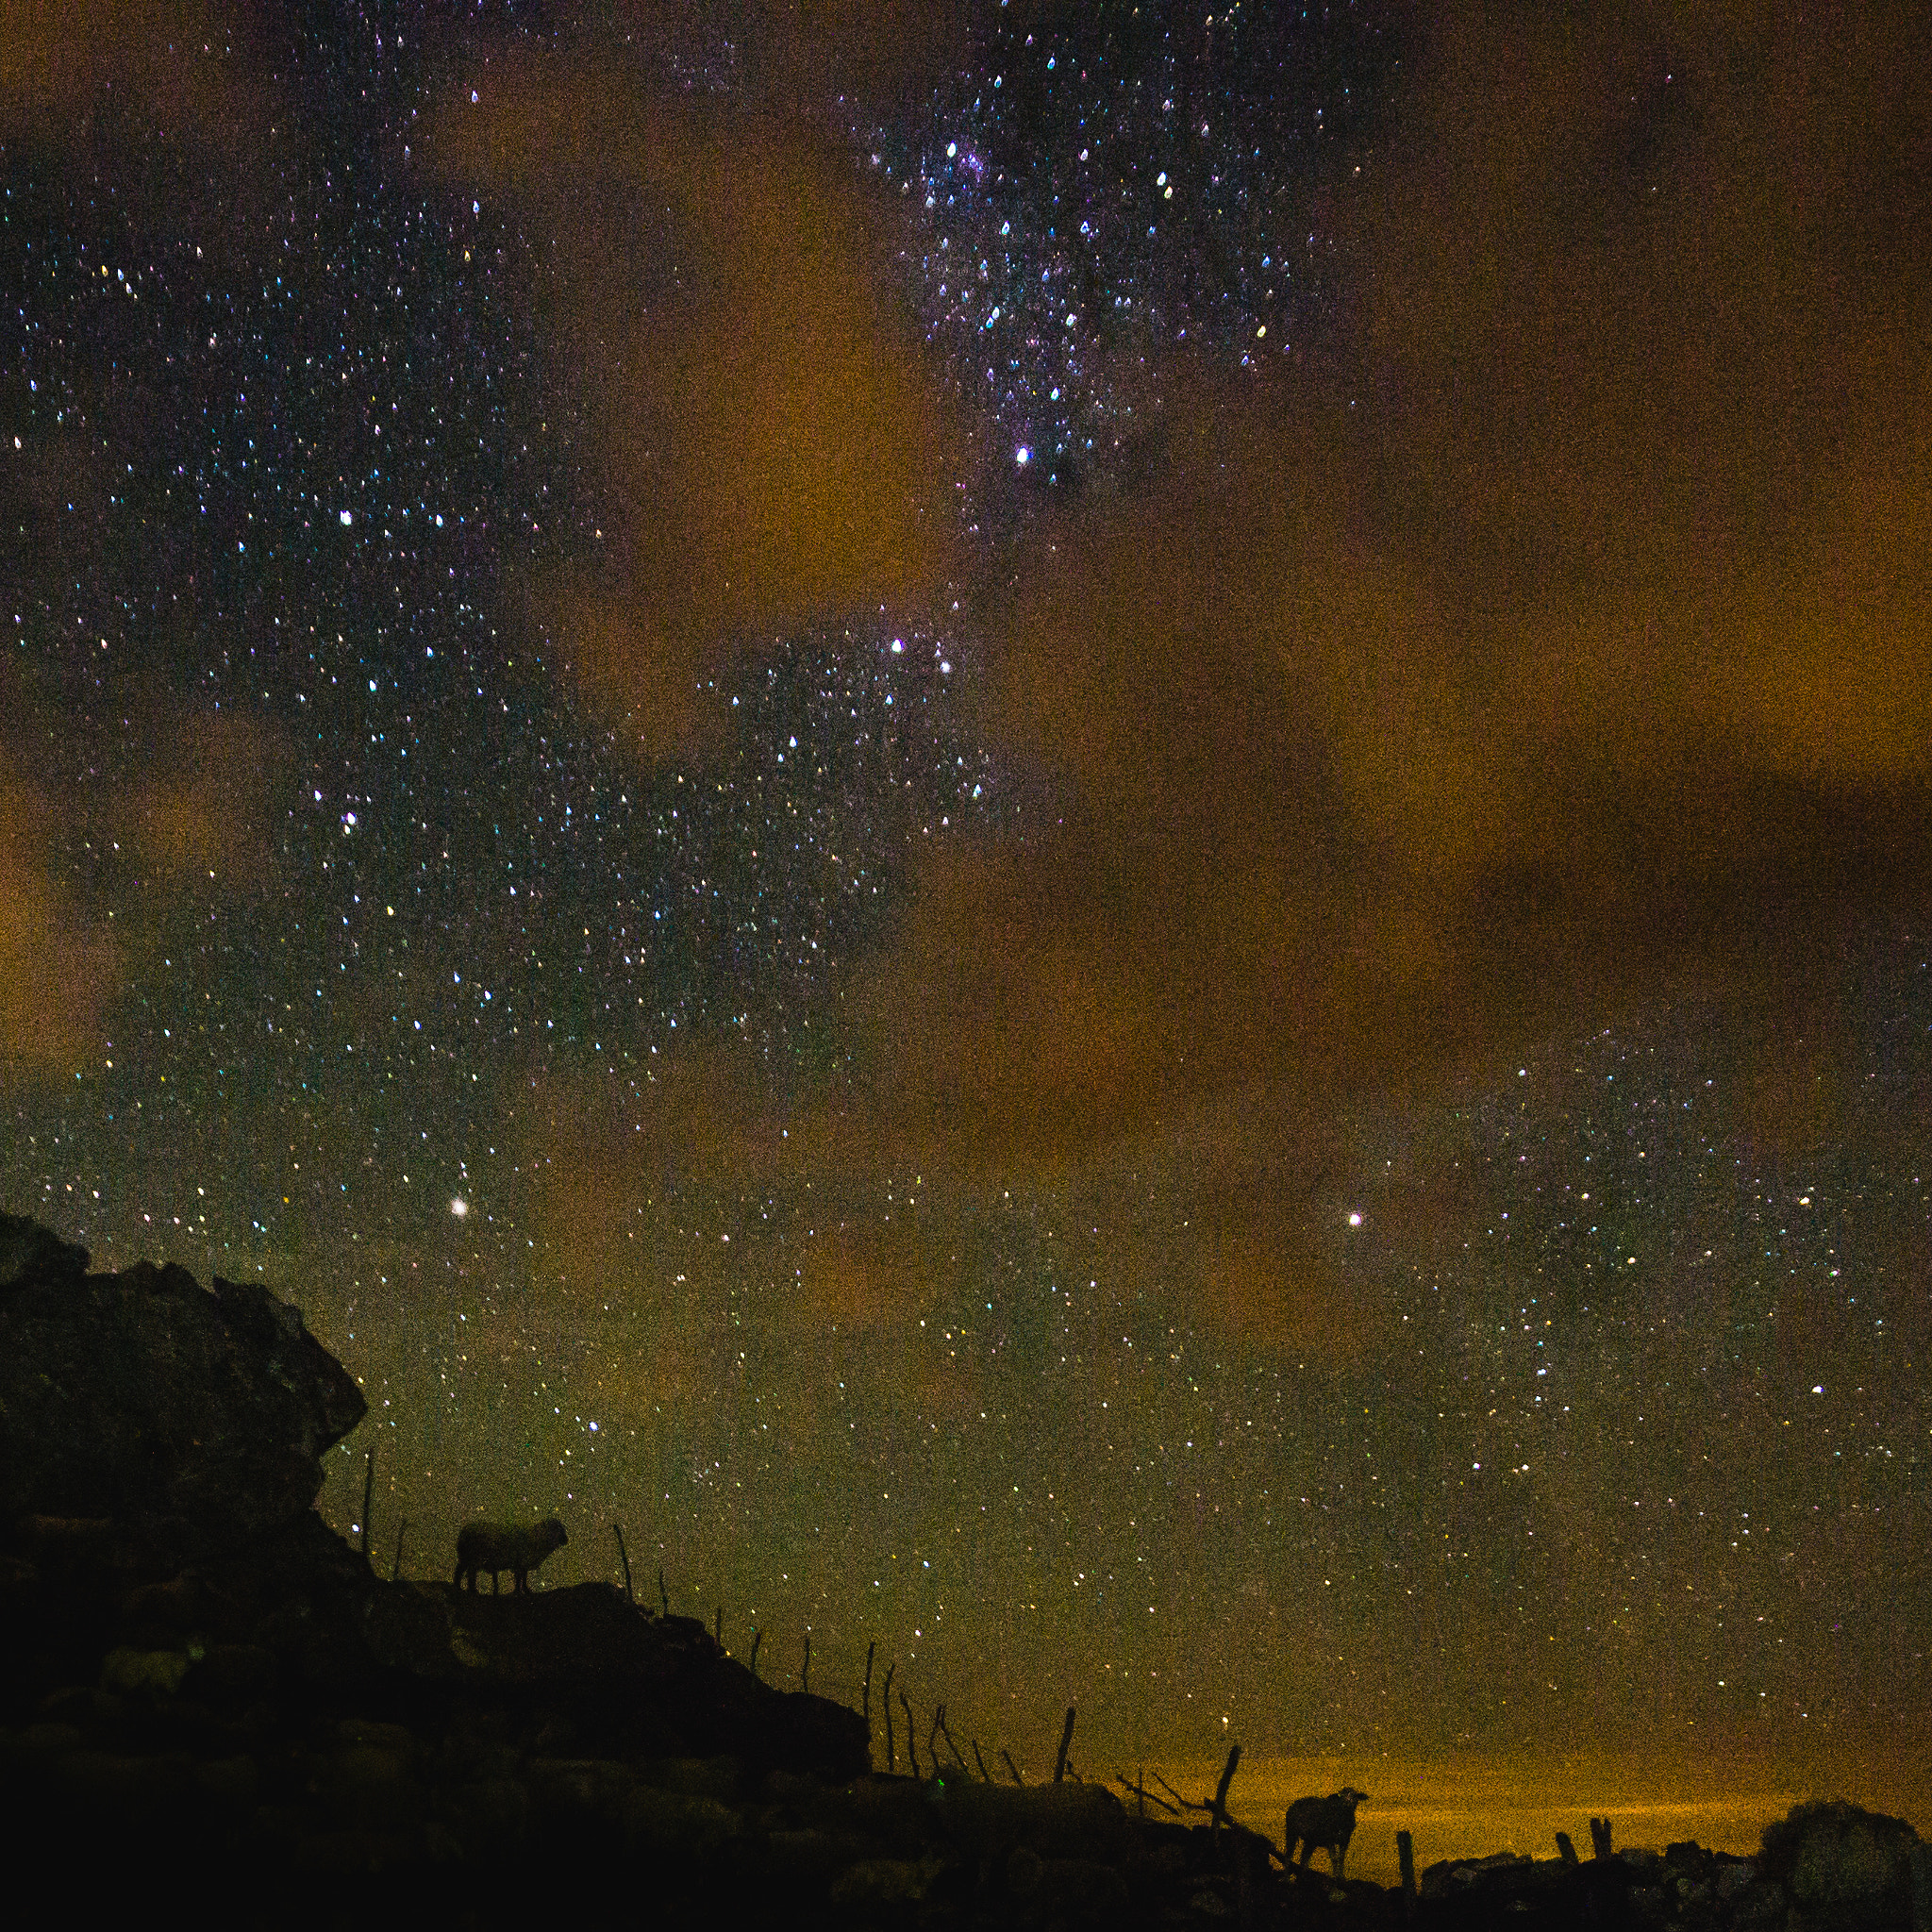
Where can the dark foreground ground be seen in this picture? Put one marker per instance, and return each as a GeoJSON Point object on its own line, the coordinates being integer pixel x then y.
{"type": "Point", "coordinates": [200, 1783]}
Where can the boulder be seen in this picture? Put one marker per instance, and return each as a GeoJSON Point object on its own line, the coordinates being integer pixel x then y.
{"type": "Point", "coordinates": [694, 1777]}
{"type": "Point", "coordinates": [1846, 1869]}
{"type": "Point", "coordinates": [1063, 1821]}
{"type": "Point", "coordinates": [145, 1397]}
{"type": "Point", "coordinates": [1451, 1877]}
{"type": "Point", "coordinates": [667, 1828]}
{"type": "Point", "coordinates": [896, 1812]}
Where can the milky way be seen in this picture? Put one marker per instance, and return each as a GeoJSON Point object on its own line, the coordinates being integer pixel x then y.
{"type": "Point", "coordinates": [1569, 1393]}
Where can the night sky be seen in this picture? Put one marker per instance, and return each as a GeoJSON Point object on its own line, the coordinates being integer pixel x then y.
{"type": "Point", "coordinates": [1096, 837]}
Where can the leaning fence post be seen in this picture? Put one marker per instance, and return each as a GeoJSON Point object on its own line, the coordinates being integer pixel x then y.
{"type": "Point", "coordinates": [1060, 1764]}
{"type": "Point", "coordinates": [368, 1497]}
{"type": "Point", "coordinates": [1404, 1852]}
{"type": "Point", "coordinates": [1565, 1850]}
{"type": "Point", "coordinates": [912, 1734]}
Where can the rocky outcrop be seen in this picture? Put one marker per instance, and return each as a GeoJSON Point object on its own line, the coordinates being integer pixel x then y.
{"type": "Point", "coordinates": [200, 1672]}
{"type": "Point", "coordinates": [197, 1417]}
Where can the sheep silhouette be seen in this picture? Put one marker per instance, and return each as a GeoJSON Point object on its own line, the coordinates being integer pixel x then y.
{"type": "Point", "coordinates": [498, 1546]}
{"type": "Point", "coordinates": [1326, 1821]}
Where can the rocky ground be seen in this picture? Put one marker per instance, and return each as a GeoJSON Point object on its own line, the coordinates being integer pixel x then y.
{"type": "Point", "coordinates": [210, 1699]}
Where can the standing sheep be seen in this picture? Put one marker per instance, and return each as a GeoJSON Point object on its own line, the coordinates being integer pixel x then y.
{"type": "Point", "coordinates": [500, 1546]}
{"type": "Point", "coordinates": [1326, 1821]}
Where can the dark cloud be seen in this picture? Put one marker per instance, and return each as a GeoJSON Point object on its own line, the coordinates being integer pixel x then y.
{"type": "Point", "coordinates": [1552, 642]}
{"type": "Point", "coordinates": [181, 106]}
{"type": "Point", "coordinates": [106, 835]}
{"type": "Point", "coordinates": [58, 969]}
{"type": "Point", "coordinates": [176, 67]}
{"type": "Point", "coordinates": [766, 435]}
{"type": "Point", "coordinates": [198, 817]}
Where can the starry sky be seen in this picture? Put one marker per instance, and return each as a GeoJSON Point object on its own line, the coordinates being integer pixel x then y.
{"type": "Point", "coordinates": [1097, 837]}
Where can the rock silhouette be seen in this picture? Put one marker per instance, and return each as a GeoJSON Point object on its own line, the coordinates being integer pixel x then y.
{"type": "Point", "coordinates": [199, 1414]}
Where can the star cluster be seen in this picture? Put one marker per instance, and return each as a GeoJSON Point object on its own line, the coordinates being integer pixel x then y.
{"type": "Point", "coordinates": [1105, 189]}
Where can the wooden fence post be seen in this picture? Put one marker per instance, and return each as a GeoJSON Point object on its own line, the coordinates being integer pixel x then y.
{"type": "Point", "coordinates": [1060, 1764]}
{"type": "Point", "coordinates": [368, 1497]}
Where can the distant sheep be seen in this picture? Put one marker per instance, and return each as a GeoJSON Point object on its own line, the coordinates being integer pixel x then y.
{"type": "Point", "coordinates": [1326, 1821]}
{"type": "Point", "coordinates": [500, 1546]}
